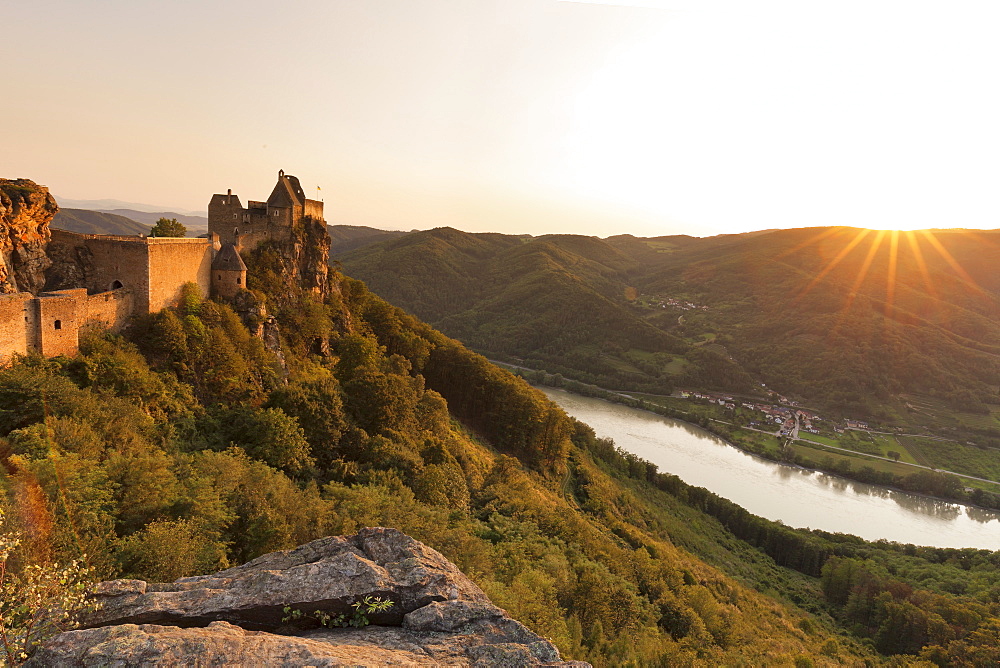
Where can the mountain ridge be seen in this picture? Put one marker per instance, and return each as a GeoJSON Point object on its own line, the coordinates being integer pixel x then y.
{"type": "Point", "coordinates": [763, 292]}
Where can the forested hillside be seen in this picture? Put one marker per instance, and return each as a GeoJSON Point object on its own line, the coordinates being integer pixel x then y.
{"type": "Point", "coordinates": [97, 222]}
{"type": "Point", "coordinates": [193, 444]}
{"type": "Point", "coordinates": [841, 318]}
{"type": "Point", "coordinates": [345, 238]}
{"type": "Point", "coordinates": [555, 301]}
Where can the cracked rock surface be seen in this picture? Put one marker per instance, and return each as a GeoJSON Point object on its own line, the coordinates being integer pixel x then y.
{"type": "Point", "coordinates": [233, 617]}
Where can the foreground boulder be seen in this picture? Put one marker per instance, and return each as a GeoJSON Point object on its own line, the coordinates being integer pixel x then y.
{"type": "Point", "coordinates": [234, 617]}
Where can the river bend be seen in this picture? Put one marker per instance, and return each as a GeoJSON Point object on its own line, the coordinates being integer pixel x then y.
{"type": "Point", "coordinates": [795, 496]}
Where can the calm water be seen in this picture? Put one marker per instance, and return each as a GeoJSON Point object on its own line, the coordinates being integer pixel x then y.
{"type": "Point", "coordinates": [797, 497]}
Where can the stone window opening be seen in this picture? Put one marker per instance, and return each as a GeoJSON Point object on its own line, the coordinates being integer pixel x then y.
{"type": "Point", "coordinates": [58, 324]}
{"type": "Point", "coordinates": [117, 284]}
{"type": "Point", "coordinates": [239, 281]}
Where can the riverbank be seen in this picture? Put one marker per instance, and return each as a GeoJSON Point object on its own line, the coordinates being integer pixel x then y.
{"type": "Point", "coordinates": [690, 462]}
{"type": "Point", "coordinates": [944, 486]}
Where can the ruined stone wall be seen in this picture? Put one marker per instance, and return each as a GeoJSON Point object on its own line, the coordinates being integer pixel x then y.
{"type": "Point", "coordinates": [172, 263]}
{"type": "Point", "coordinates": [112, 262]}
{"type": "Point", "coordinates": [109, 310]}
{"type": "Point", "coordinates": [59, 318]}
{"type": "Point", "coordinates": [313, 209]}
{"type": "Point", "coordinates": [255, 227]}
{"type": "Point", "coordinates": [225, 212]}
{"type": "Point", "coordinates": [154, 269]}
{"type": "Point", "coordinates": [14, 324]}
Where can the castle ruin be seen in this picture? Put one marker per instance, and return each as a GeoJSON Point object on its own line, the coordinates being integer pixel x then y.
{"type": "Point", "coordinates": [286, 210]}
{"type": "Point", "coordinates": [100, 281]}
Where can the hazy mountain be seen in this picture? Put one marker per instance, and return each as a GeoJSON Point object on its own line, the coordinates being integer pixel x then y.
{"type": "Point", "coordinates": [97, 222]}
{"type": "Point", "coordinates": [838, 316]}
{"type": "Point", "coordinates": [196, 225]}
{"type": "Point", "coordinates": [115, 204]}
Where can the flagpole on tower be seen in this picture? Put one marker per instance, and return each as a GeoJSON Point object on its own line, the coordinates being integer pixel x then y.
{"type": "Point", "coordinates": [317, 193]}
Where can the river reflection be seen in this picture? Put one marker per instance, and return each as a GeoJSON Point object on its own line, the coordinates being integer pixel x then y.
{"type": "Point", "coordinates": [796, 496]}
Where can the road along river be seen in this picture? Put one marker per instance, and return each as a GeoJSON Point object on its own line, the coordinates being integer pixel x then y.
{"type": "Point", "coordinates": [798, 497]}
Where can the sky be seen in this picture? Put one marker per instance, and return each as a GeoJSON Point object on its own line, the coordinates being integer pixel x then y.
{"type": "Point", "coordinates": [647, 117]}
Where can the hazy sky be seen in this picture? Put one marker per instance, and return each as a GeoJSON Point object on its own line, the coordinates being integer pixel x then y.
{"type": "Point", "coordinates": [518, 115]}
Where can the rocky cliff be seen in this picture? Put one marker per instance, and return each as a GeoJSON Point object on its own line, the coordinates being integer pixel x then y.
{"type": "Point", "coordinates": [235, 617]}
{"type": "Point", "coordinates": [26, 209]}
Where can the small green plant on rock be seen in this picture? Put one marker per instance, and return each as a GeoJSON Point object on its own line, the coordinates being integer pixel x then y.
{"type": "Point", "coordinates": [359, 618]}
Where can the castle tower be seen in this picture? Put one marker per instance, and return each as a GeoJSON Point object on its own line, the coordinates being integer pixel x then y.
{"type": "Point", "coordinates": [287, 207]}
{"type": "Point", "coordinates": [229, 273]}
{"type": "Point", "coordinates": [225, 212]}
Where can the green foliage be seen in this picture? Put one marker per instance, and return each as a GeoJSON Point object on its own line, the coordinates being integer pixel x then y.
{"type": "Point", "coordinates": [318, 407]}
{"type": "Point", "coordinates": [191, 446]}
{"type": "Point", "coordinates": [266, 434]}
{"type": "Point", "coordinates": [369, 605]}
{"type": "Point", "coordinates": [507, 297]}
{"type": "Point", "coordinates": [168, 227]}
{"type": "Point", "coordinates": [165, 550]}
{"type": "Point", "coordinates": [37, 601]}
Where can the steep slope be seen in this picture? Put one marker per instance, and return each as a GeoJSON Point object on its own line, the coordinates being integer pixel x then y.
{"type": "Point", "coordinates": [838, 317]}
{"type": "Point", "coordinates": [199, 442]}
{"type": "Point", "coordinates": [345, 238]}
{"type": "Point", "coordinates": [552, 299]}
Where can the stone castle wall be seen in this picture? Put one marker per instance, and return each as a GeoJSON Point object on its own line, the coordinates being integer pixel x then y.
{"type": "Point", "coordinates": [313, 209]}
{"type": "Point", "coordinates": [15, 316]}
{"type": "Point", "coordinates": [109, 310]}
{"type": "Point", "coordinates": [171, 264]}
{"type": "Point", "coordinates": [60, 315]}
{"type": "Point", "coordinates": [273, 220]}
{"type": "Point", "coordinates": [115, 261]}
{"type": "Point", "coordinates": [51, 323]}
{"type": "Point", "coordinates": [227, 283]}
{"type": "Point", "coordinates": [122, 276]}
{"type": "Point", "coordinates": [153, 268]}
{"type": "Point", "coordinates": [109, 278]}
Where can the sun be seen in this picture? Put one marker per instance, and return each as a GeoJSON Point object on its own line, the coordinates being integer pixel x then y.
{"type": "Point", "coordinates": [912, 246]}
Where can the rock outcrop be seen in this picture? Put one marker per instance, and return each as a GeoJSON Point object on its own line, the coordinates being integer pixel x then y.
{"type": "Point", "coordinates": [253, 313]}
{"type": "Point", "coordinates": [26, 209]}
{"type": "Point", "coordinates": [234, 617]}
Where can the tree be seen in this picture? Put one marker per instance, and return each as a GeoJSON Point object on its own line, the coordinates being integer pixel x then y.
{"type": "Point", "coordinates": [168, 227]}
{"type": "Point", "coordinates": [37, 601]}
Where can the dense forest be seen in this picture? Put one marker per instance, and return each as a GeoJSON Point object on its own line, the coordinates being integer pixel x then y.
{"type": "Point", "coordinates": [839, 318]}
{"type": "Point", "coordinates": [192, 444]}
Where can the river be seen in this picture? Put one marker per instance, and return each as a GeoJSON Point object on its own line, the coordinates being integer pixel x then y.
{"type": "Point", "coordinates": [798, 497]}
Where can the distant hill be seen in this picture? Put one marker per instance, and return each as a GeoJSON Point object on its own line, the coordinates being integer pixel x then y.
{"type": "Point", "coordinates": [97, 222]}
{"type": "Point", "coordinates": [555, 301]}
{"type": "Point", "coordinates": [115, 204]}
{"type": "Point", "coordinates": [345, 238]}
{"type": "Point", "coordinates": [839, 317]}
{"type": "Point", "coordinates": [196, 225]}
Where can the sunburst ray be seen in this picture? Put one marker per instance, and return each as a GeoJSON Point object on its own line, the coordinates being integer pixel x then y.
{"type": "Point", "coordinates": [890, 276]}
{"type": "Point", "coordinates": [950, 259]}
{"type": "Point", "coordinates": [918, 256]}
{"type": "Point", "coordinates": [834, 262]}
